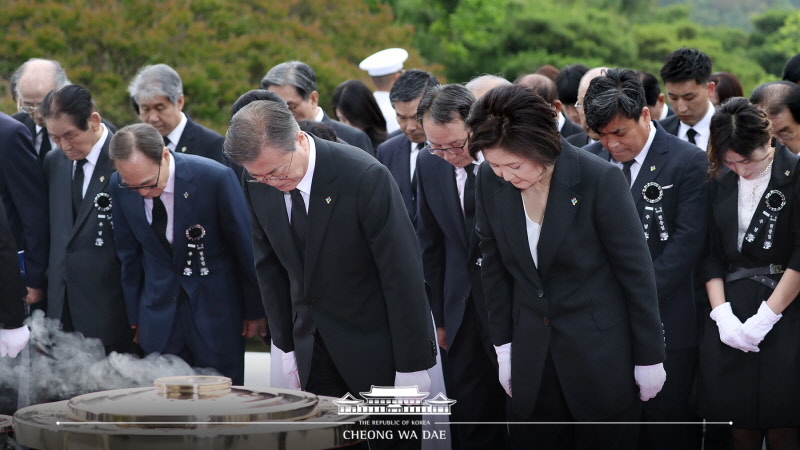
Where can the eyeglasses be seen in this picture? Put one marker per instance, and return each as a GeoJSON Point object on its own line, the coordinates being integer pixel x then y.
{"type": "Point", "coordinates": [30, 109]}
{"type": "Point", "coordinates": [786, 135]}
{"type": "Point", "coordinates": [124, 185]}
{"type": "Point", "coordinates": [578, 104]}
{"type": "Point", "coordinates": [440, 151]}
{"type": "Point", "coordinates": [272, 178]}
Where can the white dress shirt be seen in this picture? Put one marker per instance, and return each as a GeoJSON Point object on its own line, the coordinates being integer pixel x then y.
{"type": "Point", "coordinates": [174, 136]}
{"type": "Point", "coordinates": [703, 129]}
{"type": "Point", "coordinates": [305, 184]}
{"type": "Point", "coordinates": [167, 198]}
{"type": "Point", "coordinates": [534, 230]}
{"type": "Point", "coordinates": [636, 166]}
{"type": "Point", "coordinates": [412, 163]}
{"type": "Point", "coordinates": [461, 179]}
{"type": "Point", "coordinates": [91, 161]}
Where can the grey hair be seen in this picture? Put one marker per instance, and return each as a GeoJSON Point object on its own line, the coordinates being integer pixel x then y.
{"type": "Point", "coordinates": [485, 82]}
{"type": "Point", "coordinates": [59, 74]}
{"type": "Point", "coordinates": [446, 104]}
{"type": "Point", "coordinates": [260, 124]}
{"type": "Point", "coordinates": [140, 136]}
{"type": "Point", "coordinates": [292, 73]}
{"type": "Point", "coordinates": [156, 81]}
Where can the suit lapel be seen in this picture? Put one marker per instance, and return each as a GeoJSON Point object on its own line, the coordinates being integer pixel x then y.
{"type": "Point", "coordinates": [184, 144]}
{"type": "Point", "coordinates": [100, 177]}
{"type": "Point", "coordinates": [184, 200]}
{"type": "Point", "coordinates": [509, 207]}
{"type": "Point", "coordinates": [452, 204]}
{"type": "Point", "coordinates": [653, 163]}
{"type": "Point", "coordinates": [562, 205]}
{"type": "Point", "coordinates": [322, 200]}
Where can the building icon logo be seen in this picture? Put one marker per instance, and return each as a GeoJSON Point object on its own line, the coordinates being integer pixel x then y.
{"type": "Point", "coordinates": [387, 400]}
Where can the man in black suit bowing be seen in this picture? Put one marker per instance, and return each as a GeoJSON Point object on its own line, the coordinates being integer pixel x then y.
{"type": "Point", "coordinates": [667, 178]}
{"type": "Point", "coordinates": [157, 95]}
{"type": "Point", "coordinates": [296, 83]}
{"type": "Point", "coordinates": [336, 257]}
{"type": "Point", "coordinates": [451, 260]}
{"type": "Point", "coordinates": [84, 275]}
{"type": "Point", "coordinates": [399, 154]}
{"type": "Point", "coordinates": [687, 76]}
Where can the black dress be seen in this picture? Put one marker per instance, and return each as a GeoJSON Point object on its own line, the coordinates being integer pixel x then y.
{"type": "Point", "coordinates": [754, 390]}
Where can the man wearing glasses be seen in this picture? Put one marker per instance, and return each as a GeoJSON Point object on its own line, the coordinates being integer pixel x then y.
{"type": "Point", "coordinates": [451, 260]}
{"type": "Point", "coordinates": [30, 83]}
{"type": "Point", "coordinates": [84, 286]}
{"type": "Point", "coordinates": [183, 236]}
{"type": "Point", "coordinates": [337, 259]}
{"type": "Point", "coordinates": [781, 101]}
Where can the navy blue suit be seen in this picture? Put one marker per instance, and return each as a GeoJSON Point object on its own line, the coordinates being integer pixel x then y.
{"type": "Point", "coordinates": [156, 291]}
{"type": "Point", "coordinates": [395, 154]}
{"type": "Point", "coordinates": [450, 258]}
{"type": "Point", "coordinates": [24, 193]}
{"type": "Point", "coordinates": [680, 169]}
{"type": "Point", "coordinates": [199, 140]}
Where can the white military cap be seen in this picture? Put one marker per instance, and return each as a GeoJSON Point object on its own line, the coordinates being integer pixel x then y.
{"type": "Point", "coordinates": [384, 62]}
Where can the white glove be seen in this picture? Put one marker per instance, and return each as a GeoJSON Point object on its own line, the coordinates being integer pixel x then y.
{"type": "Point", "coordinates": [420, 379]}
{"type": "Point", "coordinates": [13, 341]}
{"type": "Point", "coordinates": [290, 370]}
{"type": "Point", "coordinates": [755, 328]}
{"type": "Point", "coordinates": [729, 325]}
{"type": "Point", "coordinates": [504, 361]}
{"type": "Point", "coordinates": [650, 380]}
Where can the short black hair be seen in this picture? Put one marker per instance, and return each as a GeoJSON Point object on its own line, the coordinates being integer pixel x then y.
{"type": "Point", "coordinates": [568, 81]}
{"type": "Point", "coordinates": [686, 64]}
{"type": "Point", "coordinates": [411, 85]}
{"type": "Point", "coordinates": [446, 103]}
{"type": "Point", "coordinates": [519, 121]}
{"type": "Point", "coordinates": [738, 126]}
{"type": "Point", "coordinates": [71, 100]}
{"type": "Point", "coordinates": [791, 71]}
{"type": "Point", "coordinates": [319, 129]}
{"type": "Point", "coordinates": [256, 94]}
{"type": "Point", "coordinates": [651, 88]}
{"type": "Point", "coordinates": [617, 93]}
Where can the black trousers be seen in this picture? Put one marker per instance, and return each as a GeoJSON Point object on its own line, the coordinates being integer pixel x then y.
{"type": "Point", "coordinates": [473, 383]}
{"type": "Point", "coordinates": [673, 404]}
{"type": "Point", "coordinates": [325, 379]}
{"type": "Point", "coordinates": [551, 406]}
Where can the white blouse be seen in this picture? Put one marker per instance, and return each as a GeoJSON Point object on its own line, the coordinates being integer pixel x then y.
{"type": "Point", "coordinates": [534, 230]}
{"type": "Point", "coordinates": [750, 194]}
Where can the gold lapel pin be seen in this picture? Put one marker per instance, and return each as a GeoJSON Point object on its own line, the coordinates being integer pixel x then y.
{"type": "Point", "coordinates": [102, 178]}
{"type": "Point", "coordinates": [328, 200]}
{"type": "Point", "coordinates": [652, 168]}
{"type": "Point", "coordinates": [183, 150]}
{"type": "Point", "coordinates": [574, 201]}
{"type": "Point", "coordinates": [185, 195]}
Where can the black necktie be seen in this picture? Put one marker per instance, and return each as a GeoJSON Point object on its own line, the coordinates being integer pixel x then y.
{"type": "Point", "coordinates": [626, 170]}
{"type": "Point", "coordinates": [299, 221]}
{"type": "Point", "coordinates": [159, 224]}
{"type": "Point", "coordinates": [690, 134]}
{"type": "Point", "coordinates": [414, 176]}
{"type": "Point", "coordinates": [469, 197]}
{"type": "Point", "coordinates": [77, 188]}
{"type": "Point", "coordinates": [166, 141]}
{"type": "Point", "coordinates": [45, 145]}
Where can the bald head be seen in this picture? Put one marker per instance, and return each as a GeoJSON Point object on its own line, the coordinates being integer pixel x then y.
{"type": "Point", "coordinates": [582, 88]}
{"type": "Point", "coordinates": [484, 83]}
{"type": "Point", "coordinates": [781, 101]}
{"type": "Point", "coordinates": [34, 80]}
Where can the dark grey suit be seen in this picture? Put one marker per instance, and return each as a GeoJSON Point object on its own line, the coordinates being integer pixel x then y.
{"type": "Point", "coordinates": [570, 128]}
{"type": "Point", "coordinates": [199, 140]}
{"type": "Point", "coordinates": [81, 273]}
{"type": "Point", "coordinates": [350, 135]}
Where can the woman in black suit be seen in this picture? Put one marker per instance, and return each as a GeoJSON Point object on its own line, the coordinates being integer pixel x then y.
{"type": "Point", "coordinates": [750, 361]}
{"type": "Point", "coordinates": [568, 278]}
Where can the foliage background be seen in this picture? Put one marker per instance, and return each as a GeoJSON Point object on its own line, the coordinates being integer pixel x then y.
{"type": "Point", "coordinates": [222, 48]}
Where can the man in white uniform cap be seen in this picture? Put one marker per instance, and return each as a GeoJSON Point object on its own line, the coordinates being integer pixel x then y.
{"type": "Point", "coordinates": [384, 67]}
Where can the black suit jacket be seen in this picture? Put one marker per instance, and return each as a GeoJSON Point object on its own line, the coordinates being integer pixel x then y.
{"type": "Point", "coordinates": [449, 251]}
{"type": "Point", "coordinates": [591, 302]}
{"type": "Point", "coordinates": [570, 128]}
{"type": "Point", "coordinates": [579, 139]}
{"type": "Point", "coordinates": [361, 286]}
{"type": "Point", "coordinates": [671, 124]}
{"type": "Point", "coordinates": [199, 140]}
{"type": "Point", "coordinates": [12, 290]}
{"type": "Point", "coordinates": [27, 120]}
{"type": "Point", "coordinates": [86, 274]}
{"type": "Point", "coordinates": [395, 154]}
{"type": "Point", "coordinates": [24, 194]}
{"type": "Point", "coordinates": [350, 135]}
{"type": "Point", "coordinates": [681, 168]}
